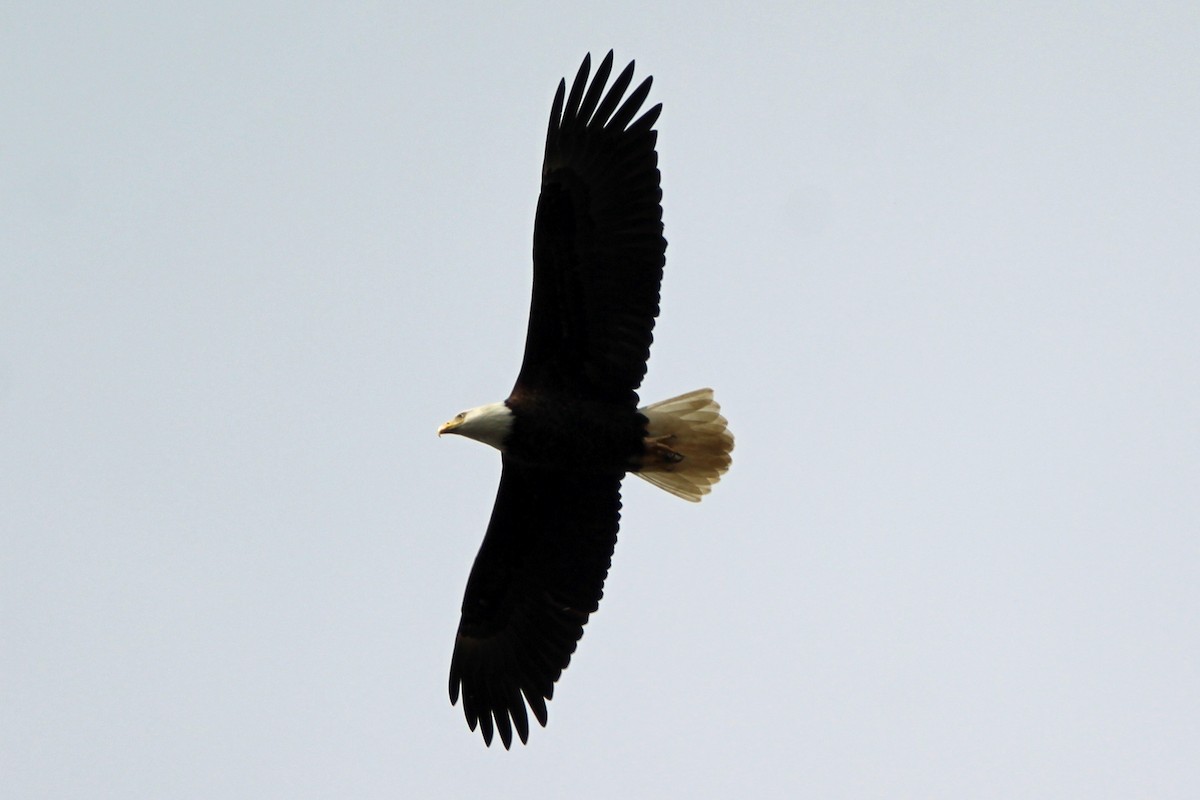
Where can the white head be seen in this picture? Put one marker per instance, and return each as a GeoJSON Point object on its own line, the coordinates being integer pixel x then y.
{"type": "Point", "coordinates": [489, 424]}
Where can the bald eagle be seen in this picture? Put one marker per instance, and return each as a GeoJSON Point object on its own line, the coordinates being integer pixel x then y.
{"type": "Point", "coordinates": [571, 428]}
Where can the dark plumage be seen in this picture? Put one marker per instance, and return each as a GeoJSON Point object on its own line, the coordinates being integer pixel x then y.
{"type": "Point", "coordinates": [571, 428]}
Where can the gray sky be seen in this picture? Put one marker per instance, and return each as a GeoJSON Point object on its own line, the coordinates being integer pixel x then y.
{"type": "Point", "coordinates": [941, 267]}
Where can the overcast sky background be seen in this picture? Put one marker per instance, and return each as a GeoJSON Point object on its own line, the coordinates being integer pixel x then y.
{"type": "Point", "coordinates": [941, 263]}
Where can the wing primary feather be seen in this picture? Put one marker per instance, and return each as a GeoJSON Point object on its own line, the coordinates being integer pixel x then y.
{"type": "Point", "coordinates": [571, 110]}
{"type": "Point", "coordinates": [615, 93]}
{"type": "Point", "coordinates": [469, 709]}
{"type": "Point", "coordinates": [490, 713]}
{"type": "Point", "coordinates": [520, 719]}
{"type": "Point", "coordinates": [538, 706]}
{"type": "Point", "coordinates": [556, 111]}
{"type": "Point", "coordinates": [630, 106]}
{"type": "Point", "coordinates": [503, 725]}
{"type": "Point", "coordinates": [485, 727]}
{"type": "Point", "coordinates": [593, 93]}
{"type": "Point", "coordinates": [645, 122]}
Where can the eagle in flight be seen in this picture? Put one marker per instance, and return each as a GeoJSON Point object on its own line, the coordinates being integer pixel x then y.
{"type": "Point", "coordinates": [572, 428]}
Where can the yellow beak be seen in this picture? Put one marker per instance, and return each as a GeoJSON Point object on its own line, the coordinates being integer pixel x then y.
{"type": "Point", "coordinates": [448, 427]}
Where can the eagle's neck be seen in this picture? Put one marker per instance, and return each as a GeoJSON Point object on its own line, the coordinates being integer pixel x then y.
{"type": "Point", "coordinates": [490, 424]}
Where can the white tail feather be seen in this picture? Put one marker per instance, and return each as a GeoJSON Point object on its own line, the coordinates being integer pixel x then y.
{"type": "Point", "coordinates": [698, 433]}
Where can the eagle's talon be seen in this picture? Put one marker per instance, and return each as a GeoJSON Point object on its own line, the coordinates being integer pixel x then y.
{"type": "Point", "coordinates": [657, 450]}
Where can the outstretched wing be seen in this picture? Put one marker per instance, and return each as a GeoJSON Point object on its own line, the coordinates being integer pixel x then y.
{"type": "Point", "coordinates": [538, 575]}
{"type": "Point", "coordinates": [598, 248]}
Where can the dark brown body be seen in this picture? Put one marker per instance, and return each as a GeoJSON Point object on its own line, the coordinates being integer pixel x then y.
{"type": "Point", "coordinates": [575, 434]}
